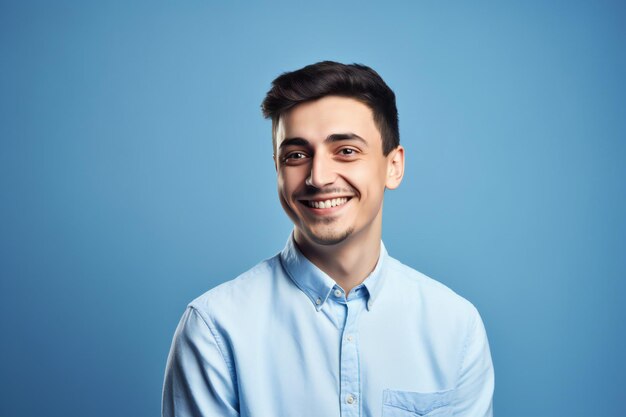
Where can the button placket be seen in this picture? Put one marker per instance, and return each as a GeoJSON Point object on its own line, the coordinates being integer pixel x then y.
{"type": "Point", "coordinates": [349, 361]}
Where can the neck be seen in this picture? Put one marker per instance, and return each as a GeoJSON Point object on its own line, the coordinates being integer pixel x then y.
{"type": "Point", "coordinates": [348, 262]}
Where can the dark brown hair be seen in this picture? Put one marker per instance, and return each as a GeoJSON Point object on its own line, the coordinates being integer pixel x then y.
{"type": "Point", "coordinates": [333, 78]}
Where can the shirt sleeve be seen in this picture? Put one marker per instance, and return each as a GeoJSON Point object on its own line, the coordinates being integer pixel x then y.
{"type": "Point", "coordinates": [474, 391]}
{"type": "Point", "coordinates": [199, 380]}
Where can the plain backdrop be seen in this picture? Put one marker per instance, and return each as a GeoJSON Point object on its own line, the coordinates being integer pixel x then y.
{"type": "Point", "coordinates": [136, 174]}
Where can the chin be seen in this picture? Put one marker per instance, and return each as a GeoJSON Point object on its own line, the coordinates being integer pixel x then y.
{"type": "Point", "coordinates": [329, 237]}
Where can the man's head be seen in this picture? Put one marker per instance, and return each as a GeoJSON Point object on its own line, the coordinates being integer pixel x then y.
{"type": "Point", "coordinates": [336, 146]}
{"type": "Point", "coordinates": [329, 78]}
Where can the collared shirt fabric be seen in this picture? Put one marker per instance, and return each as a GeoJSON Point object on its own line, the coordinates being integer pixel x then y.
{"type": "Point", "coordinates": [284, 340]}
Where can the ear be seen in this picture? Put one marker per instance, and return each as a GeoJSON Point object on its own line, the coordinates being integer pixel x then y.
{"type": "Point", "coordinates": [395, 168]}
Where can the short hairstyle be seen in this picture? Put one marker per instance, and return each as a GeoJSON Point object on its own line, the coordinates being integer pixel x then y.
{"type": "Point", "coordinates": [333, 78]}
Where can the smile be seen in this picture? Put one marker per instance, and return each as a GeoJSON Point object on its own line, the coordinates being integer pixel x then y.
{"type": "Point", "coordinates": [324, 204]}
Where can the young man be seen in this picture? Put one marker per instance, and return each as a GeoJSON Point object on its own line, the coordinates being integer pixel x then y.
{"type": "Point", "coordinates": [332, 325]}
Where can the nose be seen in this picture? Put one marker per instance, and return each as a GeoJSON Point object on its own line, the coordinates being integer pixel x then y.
{"type": "Point", "coordinates": [322, 172]}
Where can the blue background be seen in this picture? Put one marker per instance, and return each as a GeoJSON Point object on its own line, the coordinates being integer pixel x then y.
{"type": "Point", "coordinates": [136, 173]}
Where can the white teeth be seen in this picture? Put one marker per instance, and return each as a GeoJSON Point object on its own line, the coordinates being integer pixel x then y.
{"type": "Point", "coordinates": [328, 203]}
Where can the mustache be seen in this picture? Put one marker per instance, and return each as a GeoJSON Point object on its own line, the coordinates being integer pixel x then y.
{"type": "Point", "coordinates": [311, 192]}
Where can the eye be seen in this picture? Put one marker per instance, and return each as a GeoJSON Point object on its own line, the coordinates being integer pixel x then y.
{"type": "Point", "coordinates": [347, 151]}
{"type": "Point", "coordinates": [295, 156]}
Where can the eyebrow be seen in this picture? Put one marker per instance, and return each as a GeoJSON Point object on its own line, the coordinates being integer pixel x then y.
{"type": "Point", "coordinates": [335, 137]}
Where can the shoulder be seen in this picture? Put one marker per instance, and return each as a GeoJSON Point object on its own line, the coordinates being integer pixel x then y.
{"type": "Point", "coordinates": [429, 294]}
{"type": "Point", "coordinates": [241, 293]}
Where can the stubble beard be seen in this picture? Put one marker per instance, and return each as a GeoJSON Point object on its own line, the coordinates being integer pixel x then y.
{"type": "Point", "coordinates": [328, 235]}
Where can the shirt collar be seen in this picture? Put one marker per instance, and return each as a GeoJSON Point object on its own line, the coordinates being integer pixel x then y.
{"type": "Point", "coordinates": [316, 284]}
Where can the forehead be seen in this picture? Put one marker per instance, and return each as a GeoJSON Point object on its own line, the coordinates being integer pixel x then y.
{"type": "Point", "coordinates": [316, 120]}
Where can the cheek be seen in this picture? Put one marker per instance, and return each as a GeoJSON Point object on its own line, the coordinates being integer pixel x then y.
{"type": "Point", "coordinates": [290, 179]}
{"type": "Point", "coordinates": [283, 196]}
{"type": "Point", "coordinates": [283, 189]}
{"type": "Point", "coordinates": [368, 179]}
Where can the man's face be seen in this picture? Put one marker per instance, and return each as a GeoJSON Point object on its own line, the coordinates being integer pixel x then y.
{"type": "Point", "coordinates": [331, 170]}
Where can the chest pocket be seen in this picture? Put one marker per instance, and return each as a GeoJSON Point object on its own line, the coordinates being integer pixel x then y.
{"type": "Point", "coordinates": [416, 404]}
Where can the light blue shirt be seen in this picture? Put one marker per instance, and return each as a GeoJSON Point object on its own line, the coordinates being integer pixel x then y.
{"type": "Point", "coordinates": [283, 340]}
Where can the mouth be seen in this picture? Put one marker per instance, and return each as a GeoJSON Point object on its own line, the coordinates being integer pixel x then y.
{"type": "Point", "coordinates": [326, 203]}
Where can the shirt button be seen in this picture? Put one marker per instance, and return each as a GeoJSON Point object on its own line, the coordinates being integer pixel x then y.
{"type": "Point", "coordinates": [350, 399]}
{"type": "Point", "coordinates": [318, 301]}
{"type": "Point", "coordinates": [337, 293]}
{"type": "Point", "coordinates": [349, 338]}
